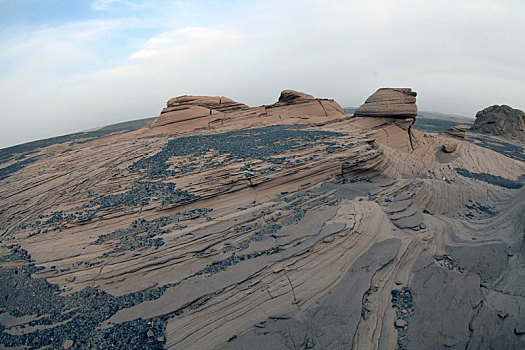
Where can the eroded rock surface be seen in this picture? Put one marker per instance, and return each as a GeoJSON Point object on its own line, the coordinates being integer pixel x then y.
{"type": "Point", "coordinates": [220, 225]}
{"type": "Point", "coordinates": [389, 102]}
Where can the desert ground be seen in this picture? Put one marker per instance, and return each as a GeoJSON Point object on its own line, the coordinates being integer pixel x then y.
{"type": "Point", "coordinates": [294, 225]}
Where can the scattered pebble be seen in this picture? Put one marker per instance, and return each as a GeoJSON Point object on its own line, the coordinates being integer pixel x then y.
{"type": "Point", "coordinates": [401, 323]}
{"type": "Point", "coordinates": [310, 343]}
{"type": "Point", "coordinates": [328, 239]}
{"type": "Point", "coordinates": [70, 278]}
{"type": "Point", "coordinates": [68, 343]}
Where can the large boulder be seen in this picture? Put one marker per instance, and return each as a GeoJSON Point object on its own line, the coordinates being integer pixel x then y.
{"type": "Point", "coordinates": [389, 102]}
{"type": "Point", "coordinates": [292, 96]}
{"type": "Point", "coordinates": [501, 121]}
{"type": "Point", "coordinates": [457, 131]}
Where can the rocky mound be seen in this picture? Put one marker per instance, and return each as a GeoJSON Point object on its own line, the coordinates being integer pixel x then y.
{"type": "Point", "coordinates": [188, 113]}
{"type": "Point", "coordinates": [501, 121]}
{"type": "Point", "coordinates": [389, 102]}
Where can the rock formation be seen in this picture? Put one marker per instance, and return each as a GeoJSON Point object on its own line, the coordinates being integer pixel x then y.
{"type": "Point", "coordinates": [389, 114]}
{"type": "Point", "coordinates": [188, 113]}
{"type": "Point", "coordinates": [449, 147]}
{"type": "Point", "coordinates": [292, 96]}
{"type": "Point", "coordinates": [219, 225]}
{"type": "Point", "coordinates": [501, 121]}
{"type": "Point", "coordinates": [457, 131]}
{"type": "Point", "coordinates": [389, 102]}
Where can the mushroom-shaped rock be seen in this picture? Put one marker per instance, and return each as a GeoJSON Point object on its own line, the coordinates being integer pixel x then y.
{"type": "Point", "coordinates": [292, 96]}
{"type": "Point", "coordinates": [457, 131]}
{"type": "Point", "coordinates": [389, 102]}
{"type": "Point", "coordinates": [501, 121]}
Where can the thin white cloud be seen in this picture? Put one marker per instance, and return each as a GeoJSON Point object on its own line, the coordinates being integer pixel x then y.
{"type": "Point", "coordinates": [185, 42]}
{"type": "Point", "coordinates": [104, 5]}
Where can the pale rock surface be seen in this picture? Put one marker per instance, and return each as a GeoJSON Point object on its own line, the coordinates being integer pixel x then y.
{"type": "Point", "coordinates": [449, 147]}
{"type": "Point", "coordinates": [288, 225]}
{"type": "Point", "coordinates": [389, 102]}
{"type": "Point", "coordinates": [190, 113]}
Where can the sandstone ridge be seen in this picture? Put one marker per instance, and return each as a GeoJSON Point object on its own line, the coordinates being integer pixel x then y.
{"type": "Point", "coordinates": [187, 113]}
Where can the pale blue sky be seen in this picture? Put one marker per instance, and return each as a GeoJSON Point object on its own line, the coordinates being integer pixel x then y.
{"type": "Point", "coordinates": [74, 65]}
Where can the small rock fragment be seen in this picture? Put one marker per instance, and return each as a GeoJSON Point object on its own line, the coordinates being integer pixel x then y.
{"type": "Point", "coordinates": [309, 343]}
{"type": "Point", "coordinates": [328, 239]}
{"type": "Point", "coordinates": [160, 339]}
{"type": "Point", "coordinates": [70, 278]}
{"type": "Point", "coordinates": [68, 343]}
{"type": "Point", "coordinates": [503, 314]}
{"type": "Point", "coordinates": [150, 334]}
{"type": "Point", "coordinates": [401, 323]}
{"type": "Point", "coordinates": [449, 147]}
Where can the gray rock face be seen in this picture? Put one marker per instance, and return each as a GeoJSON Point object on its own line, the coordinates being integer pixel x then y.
{"type": "Point", "coordinates": [389, 102]}
{"type": "Point", "coordinates": [332, 321]}
{"type": "Point", "coordinates": [488, 261]}
{"type": "Point", "coordinates": [444, 301]}
{"type": "Point", "coordinates": [501, 121]}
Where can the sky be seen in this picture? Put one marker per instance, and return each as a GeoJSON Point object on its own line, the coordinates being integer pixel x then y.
{"type": "Point", "coordinates": [67, 66]}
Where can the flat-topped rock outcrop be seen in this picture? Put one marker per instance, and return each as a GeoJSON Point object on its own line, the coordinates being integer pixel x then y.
{"type": "Point", "coordinates": [186, 113]}
{"type": "Point", "coordinates": [501, 121]}
{"type": "Point", "coordinates": [389, 102]}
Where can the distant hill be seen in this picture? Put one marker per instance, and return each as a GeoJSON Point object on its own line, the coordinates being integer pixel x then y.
{"type": "Point", "coordinates": [8, 152]}
{"type": "Point", "coordinates": [432, 121]}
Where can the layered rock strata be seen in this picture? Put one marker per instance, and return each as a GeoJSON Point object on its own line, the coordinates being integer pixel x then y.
{"type": "Point", "coordinates": [457, 131]}
{"type": "Point", "coordinates": [189, 113]}
{"type": "Point", "coordinates": [389, 102]}
{"type": "Point", "coordinates": [297, 228]}
{"type": "Point", "coordinates": [388, 115]}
